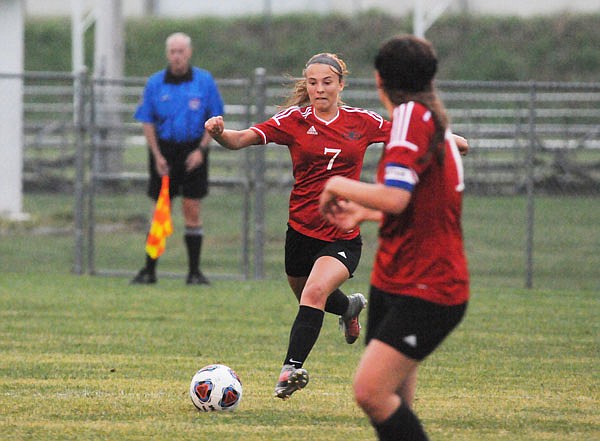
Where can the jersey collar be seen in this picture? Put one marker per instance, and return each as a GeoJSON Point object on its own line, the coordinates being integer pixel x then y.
{"type": "Point", "coordinates": [337, 115]}
{"type": "Point", "coordinates": [172, 79]}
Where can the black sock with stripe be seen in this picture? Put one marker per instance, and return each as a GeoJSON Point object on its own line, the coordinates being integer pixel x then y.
{"type": "Point", "coordinates": [304, 334]}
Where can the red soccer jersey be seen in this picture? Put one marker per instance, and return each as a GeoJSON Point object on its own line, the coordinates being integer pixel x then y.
{"type": "Point", "coordinates": [421, 251]}
{"type": "Point", "coordinates": [319, 150]}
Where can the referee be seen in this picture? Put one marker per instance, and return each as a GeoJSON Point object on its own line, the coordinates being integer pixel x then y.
{"type": "Point", "coordinates": [176, 103]}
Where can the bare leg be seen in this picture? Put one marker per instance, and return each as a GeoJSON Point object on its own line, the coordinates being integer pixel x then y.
{"type": "Point", "coordinates": [382, 372]}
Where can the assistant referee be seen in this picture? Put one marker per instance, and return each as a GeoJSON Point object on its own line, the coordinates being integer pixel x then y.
{"type": "Point", "coordinates": [176, 103]}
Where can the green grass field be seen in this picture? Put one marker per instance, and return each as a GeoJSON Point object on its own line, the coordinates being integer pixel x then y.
{"type": "Point", "coordinates": [88, 357]}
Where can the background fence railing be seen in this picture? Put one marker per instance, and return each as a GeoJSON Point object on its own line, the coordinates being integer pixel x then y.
{"type": "Point", "coordinates": [528, 139]}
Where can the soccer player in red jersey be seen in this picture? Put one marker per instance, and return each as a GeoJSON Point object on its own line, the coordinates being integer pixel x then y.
{"type": "Point", "coordinates": [419, 283]}
{"type": "Point", "coordinates": [325, 138]}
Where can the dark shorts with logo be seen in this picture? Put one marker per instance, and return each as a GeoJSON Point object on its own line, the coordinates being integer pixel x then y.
{"type": "Point", "coordinates": [302, 251]}
{"type": "Point", "coordinates": [192, 185]}
{"type": "Point", "coordinates": [413, 326]}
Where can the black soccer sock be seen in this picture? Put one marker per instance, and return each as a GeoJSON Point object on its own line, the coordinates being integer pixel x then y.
{"type": "Point", "coordinates": [403, 425]}
{"type": "Point", "coordinates": [304, 334]}
{"type": "Point", "coordinates": [337, 303]}
{"type": "Point", "coordinates": [150, 264]}
{"type": "Point", "coordinates": [193, 242]}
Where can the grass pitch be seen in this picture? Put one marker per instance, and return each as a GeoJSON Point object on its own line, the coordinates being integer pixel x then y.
{"type": "Point", "coordinates": [92, 358]}
{"type": "Point", "coordinates": [87, 358]}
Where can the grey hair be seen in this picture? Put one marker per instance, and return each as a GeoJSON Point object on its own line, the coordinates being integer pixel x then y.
{"type": "Point", "coordinates": [177, 36]}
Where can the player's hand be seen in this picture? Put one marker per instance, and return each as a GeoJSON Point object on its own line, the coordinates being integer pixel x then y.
{"type": "Point", "coordinates": [328, 200]}
{"type": "Point", "coordinates": [462, 144]}
{"type": "Point", "coordinates": [215, 126]}
{"type": "Point", "coordinates": [344, 214]}
{"type": "Point", "coordinates": [338, 211]}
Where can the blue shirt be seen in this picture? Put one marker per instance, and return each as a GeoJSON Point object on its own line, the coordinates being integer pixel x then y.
{"type": "Point", "coordinates": [178, 109]}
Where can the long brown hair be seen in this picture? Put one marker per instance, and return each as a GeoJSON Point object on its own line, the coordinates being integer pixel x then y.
{"type": "Point", "coordinates": [407, 66]}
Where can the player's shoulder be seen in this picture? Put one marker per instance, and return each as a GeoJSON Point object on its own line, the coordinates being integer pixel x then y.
{"type": "Point", "coordinates": [419, 108]}
{"type": "Point", "coordinates": [358, 112]}
{"type": "Point", "coordinates": [412, 111]}
{"type": "Point", "coordinates": [292, 113]}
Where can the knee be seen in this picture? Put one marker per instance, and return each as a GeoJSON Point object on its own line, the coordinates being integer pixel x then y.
{"type": "Point", "coordinates": [366, 396]}
{"type": "Point", "coordinates": [376, 401]}
{"type": "Point", "coordinates": [315, 293]}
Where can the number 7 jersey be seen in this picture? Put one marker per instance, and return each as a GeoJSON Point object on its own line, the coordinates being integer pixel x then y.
{"type": "Point", "coordinates": [319, 150]}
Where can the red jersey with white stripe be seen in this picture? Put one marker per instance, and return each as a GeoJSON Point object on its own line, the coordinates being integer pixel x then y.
{"type": "Point", "coordinates": [421, 251]}
{"type": "Point", "coordinates": [321, 149]}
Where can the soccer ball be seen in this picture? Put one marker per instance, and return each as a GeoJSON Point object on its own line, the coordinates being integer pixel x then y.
{"type": "Point", "coordinates": [216, 387]}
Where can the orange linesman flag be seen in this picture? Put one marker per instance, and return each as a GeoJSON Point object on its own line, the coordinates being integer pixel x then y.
{"type": "Point", "coordinates": [161, 226]}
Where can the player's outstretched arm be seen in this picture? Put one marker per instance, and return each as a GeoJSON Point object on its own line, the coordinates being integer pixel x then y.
{"type": "Point", "coordinates": [230, 139]}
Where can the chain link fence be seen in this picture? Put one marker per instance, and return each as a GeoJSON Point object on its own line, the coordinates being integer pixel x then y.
{"type": "Point", "coordinates": [535, 151]}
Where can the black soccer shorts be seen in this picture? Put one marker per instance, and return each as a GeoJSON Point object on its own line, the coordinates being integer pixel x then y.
{"type": "Point", "coordinates": [193, 184]}
{"type": "Point", "coordinates": [302, 251]}
{"type": "Point", "coordinates": [413, 326]}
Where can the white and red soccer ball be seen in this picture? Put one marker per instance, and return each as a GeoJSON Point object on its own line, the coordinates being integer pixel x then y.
{"type": "Point", "coordinates": [216, 387]}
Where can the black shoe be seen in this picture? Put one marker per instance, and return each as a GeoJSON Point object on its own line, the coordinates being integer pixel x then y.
{"type": "Point", "coordinates": [144, 277]}
{"type": "Point", "coordinates": [197, 279]}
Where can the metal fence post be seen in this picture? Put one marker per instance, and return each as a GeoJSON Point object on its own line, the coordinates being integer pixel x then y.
{"type": "Point", "coordinates": [91, 208]}
{"type": "Point", "coordinates": [79, 184]}
{"type": "Point", "coordinates": [259, 177]}
{"type": "Point", "coordinates": [247, 204]}
{"type": "Point", "coordinates": [530, 184]}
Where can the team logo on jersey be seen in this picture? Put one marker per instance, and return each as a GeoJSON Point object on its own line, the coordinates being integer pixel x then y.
{"type": "Point", "coordinates": [194, 104]}
{"type": "Point", "coordinates": [312, 131]}
{"type": "Point", "coordinates": [354, 135]}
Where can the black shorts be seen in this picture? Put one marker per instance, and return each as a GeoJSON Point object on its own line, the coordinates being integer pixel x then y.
{"type": "Point", "coordinates": [193, 184]}
{"type": "Point", "coordinates": [302, 251]}
{"type": "Point", "coordinates": [413, 326]}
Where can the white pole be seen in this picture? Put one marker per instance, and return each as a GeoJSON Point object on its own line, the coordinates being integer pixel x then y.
{"type": "Point", "coordinates": [77, 47]}
{"type": "Point", "coordinates": [109, 52]}
{"type": "Point", "coordinates": [11, 110]}
{"type": "Point", "coordinates": [418, 20]}
{"type": "Point", "coordinates": [108, 65]}
{"type": "Point", "coordinates": [423, 20]}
